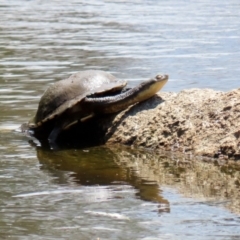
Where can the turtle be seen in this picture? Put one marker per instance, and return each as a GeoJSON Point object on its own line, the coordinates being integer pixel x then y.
{"type": "Point", "coordinates": [84, 95]}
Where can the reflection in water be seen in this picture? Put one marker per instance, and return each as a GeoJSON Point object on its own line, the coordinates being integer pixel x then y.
{"type": "Point", "coordinates": [145, 171]}
{"type": "Point", "coordinates": [217, 182]}
{"type": "Point", "coordinates": [99, 167]}
{"type": "Point", "coordinates": [112, 193]}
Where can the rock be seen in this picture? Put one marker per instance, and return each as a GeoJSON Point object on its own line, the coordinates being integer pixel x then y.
{"type": "Point", "coordinates": [197, 121]}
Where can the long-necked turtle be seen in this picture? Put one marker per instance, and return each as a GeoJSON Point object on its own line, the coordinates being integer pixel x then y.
{"type": "Point", "coordinates": [85, 94]}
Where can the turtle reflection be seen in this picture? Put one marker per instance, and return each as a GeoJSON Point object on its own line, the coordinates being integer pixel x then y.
{"type": "Point", "coordinates": [98, 166]}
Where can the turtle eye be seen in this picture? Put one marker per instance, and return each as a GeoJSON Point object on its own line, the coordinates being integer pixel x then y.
{"type": "Point", "coordinates": [161, 76]}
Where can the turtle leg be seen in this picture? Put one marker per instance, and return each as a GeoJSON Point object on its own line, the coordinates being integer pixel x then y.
{"type": "Point", "coordinates": [59, 126]}
{"type": "Point", "coordinates": [52, 138]}
{"type": "Point", "coordinates": [62, 125]}
{"type": "Point", "coordinates": [54, 134]}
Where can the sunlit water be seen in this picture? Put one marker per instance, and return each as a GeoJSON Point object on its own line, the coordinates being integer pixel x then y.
{"type": "Point", "coordinates": [88, 193]}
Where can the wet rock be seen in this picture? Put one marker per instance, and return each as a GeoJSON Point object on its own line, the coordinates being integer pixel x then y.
{"type": "Point", "coordinates": [196, 121]}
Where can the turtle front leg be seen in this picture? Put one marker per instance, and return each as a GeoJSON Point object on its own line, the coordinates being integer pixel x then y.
{"type": "Point", "coordinates": [54, 134]}
{"type": "Point", "coordinates": [57, 129]}
{"type": "Point", "coordinates": [61, 125]}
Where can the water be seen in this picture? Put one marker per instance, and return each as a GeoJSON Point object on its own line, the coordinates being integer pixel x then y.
{"type": "Point", "coordinates": [113, 193]}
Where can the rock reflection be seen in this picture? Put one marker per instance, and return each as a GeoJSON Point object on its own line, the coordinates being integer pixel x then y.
{"type": "Point", "coordinates": [145, 171]}
{"type": "Point", "coordinates": [214, 183]}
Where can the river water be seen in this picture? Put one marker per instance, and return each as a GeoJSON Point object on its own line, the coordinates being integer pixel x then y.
{"type": "Point", "coordinates": [113, 193]}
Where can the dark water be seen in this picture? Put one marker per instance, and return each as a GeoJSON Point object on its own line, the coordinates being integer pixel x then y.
{"type": "Point", "coordinates": [113, 193]}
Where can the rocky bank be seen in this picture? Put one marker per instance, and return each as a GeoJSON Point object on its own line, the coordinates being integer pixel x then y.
{"type": "Point", "coordinates": [193, 122]}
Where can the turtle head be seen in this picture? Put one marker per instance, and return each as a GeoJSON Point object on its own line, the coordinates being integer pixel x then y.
{"type": "Point", "coordinates": [155, 84]}
{"type": "Point", "coordinates": [148, 88]}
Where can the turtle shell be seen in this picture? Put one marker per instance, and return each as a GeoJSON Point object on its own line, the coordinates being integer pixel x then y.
{"type": "Point", "coordinates": [66, 93]}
